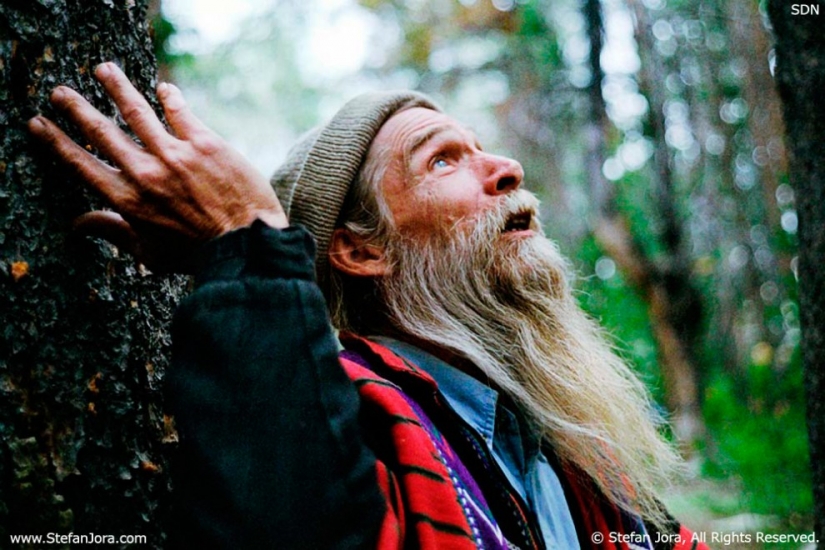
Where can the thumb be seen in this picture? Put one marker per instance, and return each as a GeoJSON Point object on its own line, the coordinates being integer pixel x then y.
{"type": "Point", "coordinates": [110, 226]}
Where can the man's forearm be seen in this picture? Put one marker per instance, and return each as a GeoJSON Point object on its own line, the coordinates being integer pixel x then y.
{"type": "Point", "coordinates": [271, 453]}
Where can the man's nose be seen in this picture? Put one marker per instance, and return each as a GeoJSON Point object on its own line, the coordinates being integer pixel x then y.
{"type": "Point", "coordinates": [505, 175]}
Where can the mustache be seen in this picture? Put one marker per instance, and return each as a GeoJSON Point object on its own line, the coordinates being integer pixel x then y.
{"type": "Point", "coordinates": [516, 211]}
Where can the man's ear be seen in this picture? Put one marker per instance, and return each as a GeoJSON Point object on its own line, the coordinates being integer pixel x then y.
{"type": "Point", "coordinates": [352, 255]}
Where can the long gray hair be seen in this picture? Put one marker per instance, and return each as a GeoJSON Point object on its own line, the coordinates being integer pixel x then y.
{"type": "Point", "coordinates": [505, 304]}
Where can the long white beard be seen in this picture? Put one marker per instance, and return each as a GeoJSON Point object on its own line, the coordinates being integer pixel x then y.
{"type": "Point", "coordinates": [504, 303]}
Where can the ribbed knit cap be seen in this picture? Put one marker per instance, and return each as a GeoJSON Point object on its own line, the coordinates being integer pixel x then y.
{"type": "Point", "coordinates": [313, 182]}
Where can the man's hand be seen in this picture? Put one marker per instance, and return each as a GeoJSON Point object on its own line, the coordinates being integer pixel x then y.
{"type": "Point", "coordinates": [170, 194]}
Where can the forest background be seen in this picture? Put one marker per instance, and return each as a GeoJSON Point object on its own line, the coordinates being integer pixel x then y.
{"type": "Point", "coordinates": [652, 132]}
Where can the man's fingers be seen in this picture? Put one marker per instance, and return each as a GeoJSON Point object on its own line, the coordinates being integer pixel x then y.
{"type": "Point", "coordinates": [185, 124]}
{"type": "Point", "coordinates": [101, 132]}
{"type": "Point", "coordinates": [101, 176]}
{"type": "Point", "coordinates": [107, 225]}
{"type": "Point", "coordinates": [134, 108]}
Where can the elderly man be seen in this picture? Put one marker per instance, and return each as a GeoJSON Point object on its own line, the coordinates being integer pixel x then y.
{"type": "Point", "coordinates": [467, 401]}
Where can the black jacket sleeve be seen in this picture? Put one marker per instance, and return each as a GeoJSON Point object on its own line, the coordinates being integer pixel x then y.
{"type": "Point", "coordinates": [270, 452]}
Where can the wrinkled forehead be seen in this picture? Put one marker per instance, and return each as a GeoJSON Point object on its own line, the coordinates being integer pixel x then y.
{"type": "Point", "coordinates": [409, 130]}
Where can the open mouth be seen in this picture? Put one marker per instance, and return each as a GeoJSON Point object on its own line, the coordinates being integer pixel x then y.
{"type": "Point", "coordinates": [519, 221]}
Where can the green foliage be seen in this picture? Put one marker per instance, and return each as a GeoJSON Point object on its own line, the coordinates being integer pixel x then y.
{"type": "Point", "coordinates": [620, 309]}
{"type": "Point", "coordinates": [161, 31]}
{"type": "Point", "coordinates": [763, 439]}
{"type": "Point", "coordinates": [636, 199]}
{"type": "Point", "coordinates": [535, 43]}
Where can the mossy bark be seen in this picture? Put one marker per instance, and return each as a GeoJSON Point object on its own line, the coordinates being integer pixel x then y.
{"type": "Point", "coordinates": [800, 75]}
{"type": "Point", "coordinates": [84, 335]}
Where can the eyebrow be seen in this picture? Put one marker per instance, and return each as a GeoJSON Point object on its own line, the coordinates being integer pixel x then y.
{"type": "Point", "coordinates": [420, 140]}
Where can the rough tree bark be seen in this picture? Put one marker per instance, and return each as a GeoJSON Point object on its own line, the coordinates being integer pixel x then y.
{"type": "Point", "coordinates": [800, 76]}
{"type": "Point", "coordinates": [673, 304]}
{"type": "Point", "coordinates": [83, 337]}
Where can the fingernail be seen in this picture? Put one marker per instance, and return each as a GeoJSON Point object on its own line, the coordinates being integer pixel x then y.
{"type": "Point", "coordinates": [173, 100]}
{"type": "Point", "coordinates": [163, 89]}
{"type": "Point", "coordinates": [104, 69]}
{"type": "Point", "coordinates": [58, 94]}
{"type": "Point", "coordinates": [37, 124]}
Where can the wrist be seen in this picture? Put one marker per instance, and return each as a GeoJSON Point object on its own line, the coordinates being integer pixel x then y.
{"type": "Point", "coordinates": [274, 219]}
{"type": "Point", "coordinates": [257, 250]}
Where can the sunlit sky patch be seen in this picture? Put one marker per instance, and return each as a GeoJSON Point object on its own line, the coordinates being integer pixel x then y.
{"type": "Point", "coordinates": [336, 40]}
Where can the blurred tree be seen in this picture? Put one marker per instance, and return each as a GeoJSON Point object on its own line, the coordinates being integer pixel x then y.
{"type": "Point", "coordinates": [800, 75]}
{"type": "Point", "coordinates": [705, 74]}
{"type": "Point", "coordinates": [673, 303]}
{"type": "Point", "coordinates": [161, 31]}
{"type": "Point", "coordinates": [83, 437]}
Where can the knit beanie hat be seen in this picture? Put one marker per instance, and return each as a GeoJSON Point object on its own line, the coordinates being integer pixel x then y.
{"type": "Point", "coordinates": [313, 182]}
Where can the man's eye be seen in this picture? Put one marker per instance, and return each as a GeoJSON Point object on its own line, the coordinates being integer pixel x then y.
{"type": "Point", "coordinates": [440, 163]}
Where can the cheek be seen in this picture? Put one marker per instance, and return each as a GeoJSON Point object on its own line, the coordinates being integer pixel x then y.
{"type": "Point", "coordinates": [441, 214]}
{"type": "Point", "coordinates": [455, 204]}
{"type": "Point", "coordinates": [419, 217]}
{"type": "Point", "coordinates": [437, 205]}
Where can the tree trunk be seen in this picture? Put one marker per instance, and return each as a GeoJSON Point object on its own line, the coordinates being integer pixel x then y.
{"type": "Point", "coordinates": [83, 345]}
{"type": "Point", "coordinates": [800, 76]}
{"type": "Point", "coordinates": [673, 304]}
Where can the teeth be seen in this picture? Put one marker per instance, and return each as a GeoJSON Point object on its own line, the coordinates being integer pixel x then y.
{"type": "Point", "coordinates": [519, 221]}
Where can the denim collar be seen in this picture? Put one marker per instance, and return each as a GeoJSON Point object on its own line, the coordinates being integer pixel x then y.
{"type": "Point", "coordinates": [474, 401]}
